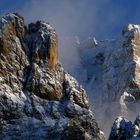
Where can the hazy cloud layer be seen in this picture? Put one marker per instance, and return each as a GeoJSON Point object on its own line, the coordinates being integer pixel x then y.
{"type": "Point", "coordinates": [71, 18]}
{"type": "Point", "coordinates": [100, 18]}
{"type": "Point", "coordinates": [76, 17]}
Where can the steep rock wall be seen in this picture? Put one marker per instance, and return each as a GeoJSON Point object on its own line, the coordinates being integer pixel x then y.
{"type": "Point", "coordinates": [38, 99]}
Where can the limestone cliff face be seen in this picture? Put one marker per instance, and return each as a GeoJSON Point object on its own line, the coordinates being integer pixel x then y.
{"type": "Point", "coordinates": [38, 99]}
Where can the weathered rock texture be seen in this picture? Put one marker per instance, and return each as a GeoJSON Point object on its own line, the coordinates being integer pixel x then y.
{"type": "Point", "coordinates": [109, 70]}
{"type": "Point", "coordinates": [38, 99]}
{"type": "Point", "coordinates": [123, 129]}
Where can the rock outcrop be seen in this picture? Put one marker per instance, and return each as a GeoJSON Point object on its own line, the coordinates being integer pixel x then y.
{"type": "Point", "coordinates": [123, 129]}
{"type": "Point", "coordinates": [109, 70]}
{"type": "Point", "coordinates": [38, 99]}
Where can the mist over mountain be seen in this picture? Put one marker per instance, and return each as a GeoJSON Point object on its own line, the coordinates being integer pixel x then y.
{"type": "Point", "coordinates": [38, 98]}
{"type": "Point", "coordinates": [70, 70]}
{"type": "Point", "coordinates": [109, 71]}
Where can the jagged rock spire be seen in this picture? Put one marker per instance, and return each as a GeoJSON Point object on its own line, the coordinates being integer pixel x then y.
{"type": "Point", "coordinates": [38, 99]}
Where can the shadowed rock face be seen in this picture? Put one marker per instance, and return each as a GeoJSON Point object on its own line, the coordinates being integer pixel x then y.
{"type": "Point", "coordinates": [38, 99]}
{"type": "Point", "coordinates": [123, 129]}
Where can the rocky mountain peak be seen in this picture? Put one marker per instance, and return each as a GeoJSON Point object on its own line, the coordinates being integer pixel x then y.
{"type": "Point", "coordinates": [130, 98]}
{"type": "Point", "coordinates": [12, 24]}
{"type": "Point", "coordinates": [38, 40]}
{"type": "Point", "coordinates": [131, 32]}
{"type": "Point", "coordinates": [109, 70]}
{"type": "Point", "coordinates": [130, 29]}
{"type": "Point", "coordinates": [44, 39]}
{"type": "Point", "coordinates": [38, 98]}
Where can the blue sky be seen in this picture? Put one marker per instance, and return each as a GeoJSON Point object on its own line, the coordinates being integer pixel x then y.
{"type": "Point", "coordinates": [99, 18]}
{"type": "Point", "coordinates": [11, 5]}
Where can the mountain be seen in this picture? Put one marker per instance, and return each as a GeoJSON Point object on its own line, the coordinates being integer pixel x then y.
{"type": "Point", "coordinates": [38, 98]}
{"type": "Point", "coordinates": [123, 129]}
{"type": "Point", "coordinates": [109, 70]}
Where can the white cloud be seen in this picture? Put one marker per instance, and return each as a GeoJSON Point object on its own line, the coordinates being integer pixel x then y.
{"type": "Point", "coordinates": [71, 18]}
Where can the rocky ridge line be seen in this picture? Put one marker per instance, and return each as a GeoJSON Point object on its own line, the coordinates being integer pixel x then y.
{"type": "Point", "coordinates": [109, 70]}
{"type": "Point", "coordinates": [38, 99]}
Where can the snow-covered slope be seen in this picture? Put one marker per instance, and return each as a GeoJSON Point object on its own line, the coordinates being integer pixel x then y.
{"type": "Point", "coordinates": [39, 100]}
{"type": "Point", "coordinates": [109, 70]}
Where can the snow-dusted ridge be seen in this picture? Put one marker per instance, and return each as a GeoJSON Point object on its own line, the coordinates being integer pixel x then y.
{"type": "Point", "coordinates": [109, 70]}
{"type": "Point", "coordinates": [39, 100]}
